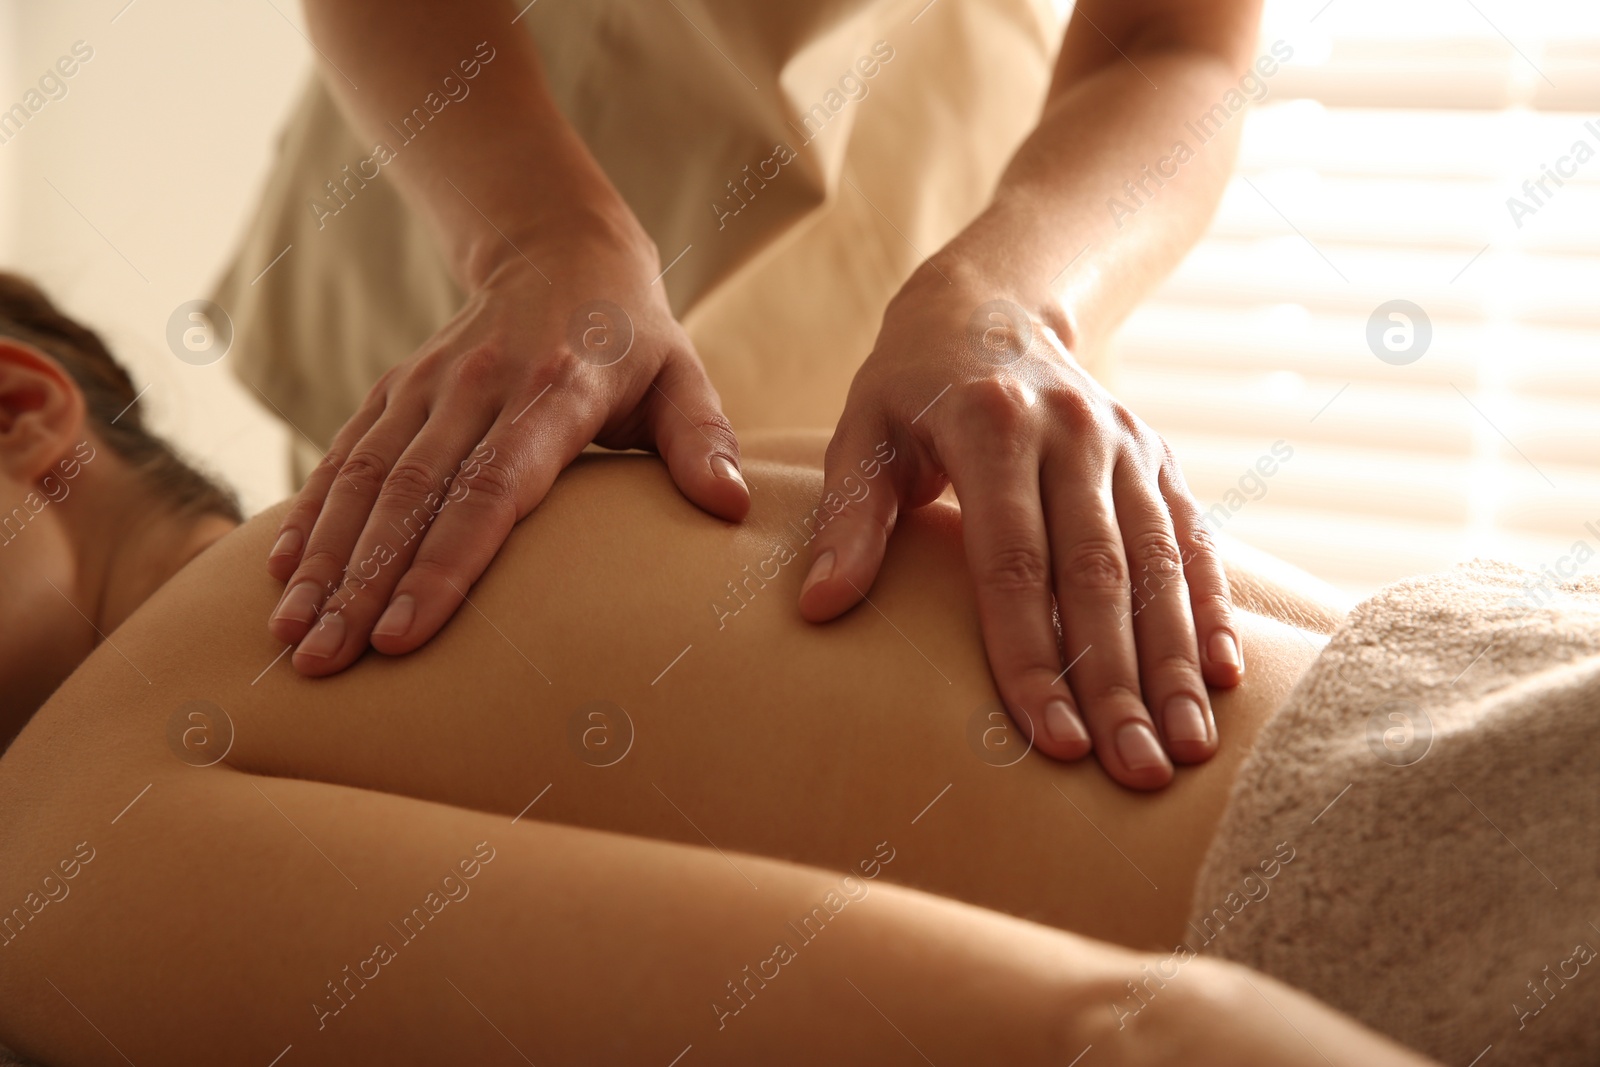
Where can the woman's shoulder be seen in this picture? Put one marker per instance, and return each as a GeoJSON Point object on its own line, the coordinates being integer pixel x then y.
{"type": "Point", "coordinates": [208, 622]}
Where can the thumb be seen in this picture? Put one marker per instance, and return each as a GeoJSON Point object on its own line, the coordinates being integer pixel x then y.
{"type": "Point", "coordinates": [861, 494]}
{"type": "Point", "coordinates": [696, 439]}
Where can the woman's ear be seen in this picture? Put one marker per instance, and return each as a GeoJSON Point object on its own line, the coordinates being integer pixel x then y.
{"type": "Point", "coordinates": [41, 412]}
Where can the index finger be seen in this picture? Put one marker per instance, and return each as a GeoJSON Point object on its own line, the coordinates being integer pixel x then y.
{"type": "Point", "coordinates": [506, 478]}
{"type": "Point", "coordinates": [294, 532]}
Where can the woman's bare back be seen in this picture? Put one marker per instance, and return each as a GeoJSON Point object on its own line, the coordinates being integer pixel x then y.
{"type": "Point", "coordinates": [629, 663]}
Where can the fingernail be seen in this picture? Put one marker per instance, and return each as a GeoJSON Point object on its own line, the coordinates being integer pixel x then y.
{"type": "Point", "coordinates": [1185, 721]}
{"type": "Point", "coordinates": [1139, 748]}
{"type": "Point", "coordinates": [821, 571]}
{"type": "Point", "coordinates": [300, 603]}
{"type": "Point", "coordinates": [1061, 724]}
{"type": "Point", "coordinates": [287, 544]}
{"type": "Point", "coordinates": [396, 618]}
{"type": "Point", "coordinates": [723, 467]}
{"type": "Point", "coordinates": [1225, 650]}
{"type": "Point", "coordinates": [325, 637]}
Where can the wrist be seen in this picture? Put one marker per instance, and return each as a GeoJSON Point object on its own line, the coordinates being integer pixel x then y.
{"type": "Point", "coordinates": [982, 264]}
{"type": "Point", "coordinates": [543, 240]}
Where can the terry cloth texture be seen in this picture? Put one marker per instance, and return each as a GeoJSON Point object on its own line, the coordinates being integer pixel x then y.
{"type": "Point", "coordinates": [1436, 778]}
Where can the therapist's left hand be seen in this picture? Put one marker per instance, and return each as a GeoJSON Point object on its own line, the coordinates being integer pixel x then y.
{"type": "Point", "coordinates": [1071, 507]}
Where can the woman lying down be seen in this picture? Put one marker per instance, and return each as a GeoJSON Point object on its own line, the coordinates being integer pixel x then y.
{"type": "Point", "coordinates": [612, 816]}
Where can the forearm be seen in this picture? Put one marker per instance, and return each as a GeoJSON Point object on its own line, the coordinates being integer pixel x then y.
{"type": "Point", "coordinates": [457, 97]}
{"type": "Point", "coordinates": [233, 917]}
{"type": "Point", "coordinates": [1102, 184]}
{"type": "Point", "coordinates": [577, 946]}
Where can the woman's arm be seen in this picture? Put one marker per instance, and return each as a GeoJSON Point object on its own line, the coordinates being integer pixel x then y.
{"type": "Point", "coordinates": [217, 910]}
{"type": "Point", "coordinates": [223, 917]}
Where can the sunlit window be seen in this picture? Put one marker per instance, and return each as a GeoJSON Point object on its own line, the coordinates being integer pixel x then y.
{"type": "Point", "coordinates": [1397, 310]}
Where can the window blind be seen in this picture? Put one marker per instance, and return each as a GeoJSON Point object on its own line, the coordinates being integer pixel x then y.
{"type": "Point", "coordinates": [1380, 168]}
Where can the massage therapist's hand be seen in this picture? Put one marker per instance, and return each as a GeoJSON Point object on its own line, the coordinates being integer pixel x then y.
{"type": "Point", "coordinates": [1068, 502]}
{"type": "Point", "coordinates": [465, 437]}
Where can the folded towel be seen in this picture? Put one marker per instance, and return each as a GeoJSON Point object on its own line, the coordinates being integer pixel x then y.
{"type": "Point", "coordinates": [1415, 839]}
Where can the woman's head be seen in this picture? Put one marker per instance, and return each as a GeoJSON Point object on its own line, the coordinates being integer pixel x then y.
{"type": "Point", "coordinates": [95, 510]}
{"type": "Point", "coordinates": [111, 410]}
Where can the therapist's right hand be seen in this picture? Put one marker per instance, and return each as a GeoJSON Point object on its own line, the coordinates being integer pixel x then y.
{"type": "Point", "coordinates": [453, 446]}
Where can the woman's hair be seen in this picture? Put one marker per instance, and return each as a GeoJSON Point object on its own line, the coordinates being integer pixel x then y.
{"type": "Point", "coordinates": [28, 316]}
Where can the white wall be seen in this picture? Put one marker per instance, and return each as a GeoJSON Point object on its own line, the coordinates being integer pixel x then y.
{"type": "Point", "coordinates": [161, 142]}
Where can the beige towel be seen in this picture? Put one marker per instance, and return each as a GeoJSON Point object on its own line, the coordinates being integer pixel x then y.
{"type": "Point", "coordinates": [1416, 837]}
